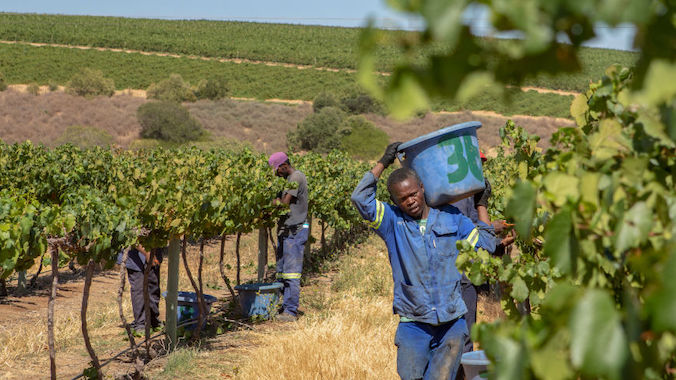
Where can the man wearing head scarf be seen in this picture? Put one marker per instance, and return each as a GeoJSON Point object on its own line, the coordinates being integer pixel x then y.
{"type": "Point", "coordinates": [292, 233]}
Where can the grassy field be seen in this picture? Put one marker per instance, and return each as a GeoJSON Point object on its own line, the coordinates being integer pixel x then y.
{"type": "Point", "coordinates": [304, 45]}
{"type": "Point", "coordinates": [23, 64]}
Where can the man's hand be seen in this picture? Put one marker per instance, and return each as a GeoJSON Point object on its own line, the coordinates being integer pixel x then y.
{"type": "Point", "coordinates": [390, 154]}
{"type": "Point", "coordinates": [481, 198]}
{"type": "Point", "coordinates": [500, 226]}
{"type": "Point", "coordinates": [509, 239]}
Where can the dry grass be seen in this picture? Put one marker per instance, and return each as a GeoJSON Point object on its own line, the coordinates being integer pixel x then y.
{"type": "Point", "coordinates": [263, 125]}
{"type": "Point", "coordinates": [44, 119]}
{"type": "Point", "coordinates": [354, 342]}
{"type": "Point", "coordinates": [347, 331]}
{"type": "Point", "coordinates": [23, 345]}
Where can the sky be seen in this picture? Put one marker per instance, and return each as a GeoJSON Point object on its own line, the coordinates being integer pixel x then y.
{"type": "Point", "coordinates": [348, 13]}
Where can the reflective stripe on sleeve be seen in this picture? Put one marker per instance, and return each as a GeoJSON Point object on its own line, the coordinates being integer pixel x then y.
{"type": "Point", "coordinates": [289, 276]}
{"type": "Point", "coordinates": [380, 212]}
{"type": "Point", "coordinates": [473, 238]}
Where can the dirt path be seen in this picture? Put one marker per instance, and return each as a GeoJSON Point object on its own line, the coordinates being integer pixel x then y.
{"type": "Point", "coordinates": [243, 60]}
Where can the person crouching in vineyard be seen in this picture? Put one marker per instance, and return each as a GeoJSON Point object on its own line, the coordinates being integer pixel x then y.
{"type": "Point", "coordinates": [136, 263]}
{"type": "Point", "coordinates": [421, 242]}
{"type": "Point", "coordinates": [292, 233]}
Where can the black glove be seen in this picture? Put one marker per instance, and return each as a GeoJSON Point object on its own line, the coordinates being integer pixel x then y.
{"type": "Point", "coordinates": [481, 198]}
{"type": "Point", "coordinates": [390, 154]}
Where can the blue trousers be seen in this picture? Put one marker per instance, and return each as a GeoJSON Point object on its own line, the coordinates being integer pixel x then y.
{"type": "Point", "coordinates": [290, 248]}
{"type": "Point", "coordinates": [469, 296]}
{"type": "Point", "coordinates": [430, 352]}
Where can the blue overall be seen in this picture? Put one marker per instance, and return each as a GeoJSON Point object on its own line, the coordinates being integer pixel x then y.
{"type": "Point", "coordinates": [290, 247]}
{"type": "Point", "coordinates": [427, 294]}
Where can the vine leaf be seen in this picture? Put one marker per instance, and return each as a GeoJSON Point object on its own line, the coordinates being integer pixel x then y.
{"type": "Point", "coordinates": [559, 242]}
{"type": "Point", "coordinates": [519, 289]}
{"type": "Point", "coordinates": [598, 344]}
{"type": "Point", "coordinates": [635, 227]}
{"type": "Point", "coordinates": [521, 208]}
{"type": "Point", "coordinates": [663, 303]}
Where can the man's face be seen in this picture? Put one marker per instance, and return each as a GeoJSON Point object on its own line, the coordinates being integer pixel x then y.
{"type": "Point", "coordinates": [282, 170]}
{"type": "Point", "coordinates": [409, 195]}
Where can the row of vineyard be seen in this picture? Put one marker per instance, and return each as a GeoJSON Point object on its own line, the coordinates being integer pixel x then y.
{"type": "Point", "coordinates": [102, 200]}
{"type": "Point", "coordinates": [595, 215]}
{"type": "Point", "coordinates": [22, 64]}
{"type": "Point", "coordinates": [295, 44]}
{"type": "Point", "coordinates": [92, 204]}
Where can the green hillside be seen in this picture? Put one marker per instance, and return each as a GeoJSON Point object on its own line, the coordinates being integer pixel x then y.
{"type": "Point", "coordinates": [23, 64]}
{"type": "Point", "coordinates": [296, 44]}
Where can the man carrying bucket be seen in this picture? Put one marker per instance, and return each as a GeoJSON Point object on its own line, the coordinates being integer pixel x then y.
{"type": "Point", "coordinates": [292, 233]}
{"type": "Point", "coordinates": [421, 242]}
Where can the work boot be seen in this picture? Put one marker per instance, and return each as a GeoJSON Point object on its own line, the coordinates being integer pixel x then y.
{"type": "Point", "coordinates": [286, 317]}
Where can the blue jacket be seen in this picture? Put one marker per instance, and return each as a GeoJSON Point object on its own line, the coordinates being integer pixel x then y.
{"type": "Point", "coordinates": [426, 281]}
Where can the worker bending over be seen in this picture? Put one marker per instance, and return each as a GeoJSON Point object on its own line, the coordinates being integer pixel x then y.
{"type": "Point", "coordinates": [421, 242]}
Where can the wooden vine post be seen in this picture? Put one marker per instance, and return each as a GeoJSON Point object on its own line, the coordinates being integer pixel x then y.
{"type": "Point", "coordinates": [262, 252]}
{"type": "Point", "coordinates": [171, 300]}
{"type": "Point", "coordinates": [21, 283]}
{"type": "Point", "coordinates": [50, 312]}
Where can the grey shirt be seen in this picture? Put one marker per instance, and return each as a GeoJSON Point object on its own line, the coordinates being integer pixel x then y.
{"type": "Point", "coordinates": [298, 206]}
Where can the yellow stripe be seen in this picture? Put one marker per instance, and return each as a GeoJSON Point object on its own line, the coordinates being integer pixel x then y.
{"type": "Point", "coordinates": [290, 276]}
{"type": "Point", "coordinates": [381, 212]}
{"type": "Point", "coordinates": [473, 237]}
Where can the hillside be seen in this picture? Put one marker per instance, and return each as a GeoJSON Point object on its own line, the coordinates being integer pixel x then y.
{"type": "Point", "coordinates": [317, 46]}
{"type": "Point", "coordinates": [44, 119]}
{"type": "Point", "coordinates": [24, 63]}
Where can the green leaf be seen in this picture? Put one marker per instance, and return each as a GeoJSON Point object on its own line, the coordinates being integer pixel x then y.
{"type": "Point", "coordinates": [562, 187]}
{"type": "Point", "coordinates": [662, 305]}
{"type": "Point", "coordinates": [598, 344]}
{"type": "Point", "coordinates": [589, 188]}
{"type": "Point", "coordinates": [551, 362]}
{"type": "Point", "coordinates": [579, 109]}
{"type": "Point", "coordinates": [559, 242]}
{"type": "Point", "coordinates": [519, 289]}
{"type": "Point", "coordinates": [406, 94]}
{"type": "Point", "coordinates": [634, 228]}
{"type": "Point", "coordinates": [659, 85]}
{"type": "Point", "coordinates": [608, 141]}
{"type": "Point", "coordinates": [521, 208]}
{"type": "Point", "coordinates": [444, 19]}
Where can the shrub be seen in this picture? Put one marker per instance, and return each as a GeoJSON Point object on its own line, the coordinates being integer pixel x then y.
{"type": "Point", "coordinates": [213, 88]}
{"type": "Point", "coordinates": [53, 86]}
{"type": "Point", "coordinates": [360, 103]}
{"type": "Point", "coordinates": [3, 84]}
{"type": "Point", "coordinates": [319, 132]}
{"type": "Point", "coordinates": [85, 137]}
{"type": "Point", "coordinates": [173, 89]}
{"type": "Point", "coordinates": [324, 99]}
{"type": "Point", "coordinates": [168, 121]}
{"type": "Point", "coordinates": [362, 139]}
{"type": "Point", "coordinates": [89, 82]}
{"type": "Point", "coordinates": [33, 89]}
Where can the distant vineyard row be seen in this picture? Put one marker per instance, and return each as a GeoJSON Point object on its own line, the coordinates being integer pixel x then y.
{"type": "Point", "coordinates": [21, 64]}
{"type": "Point", "coordinates": [303, 45]}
